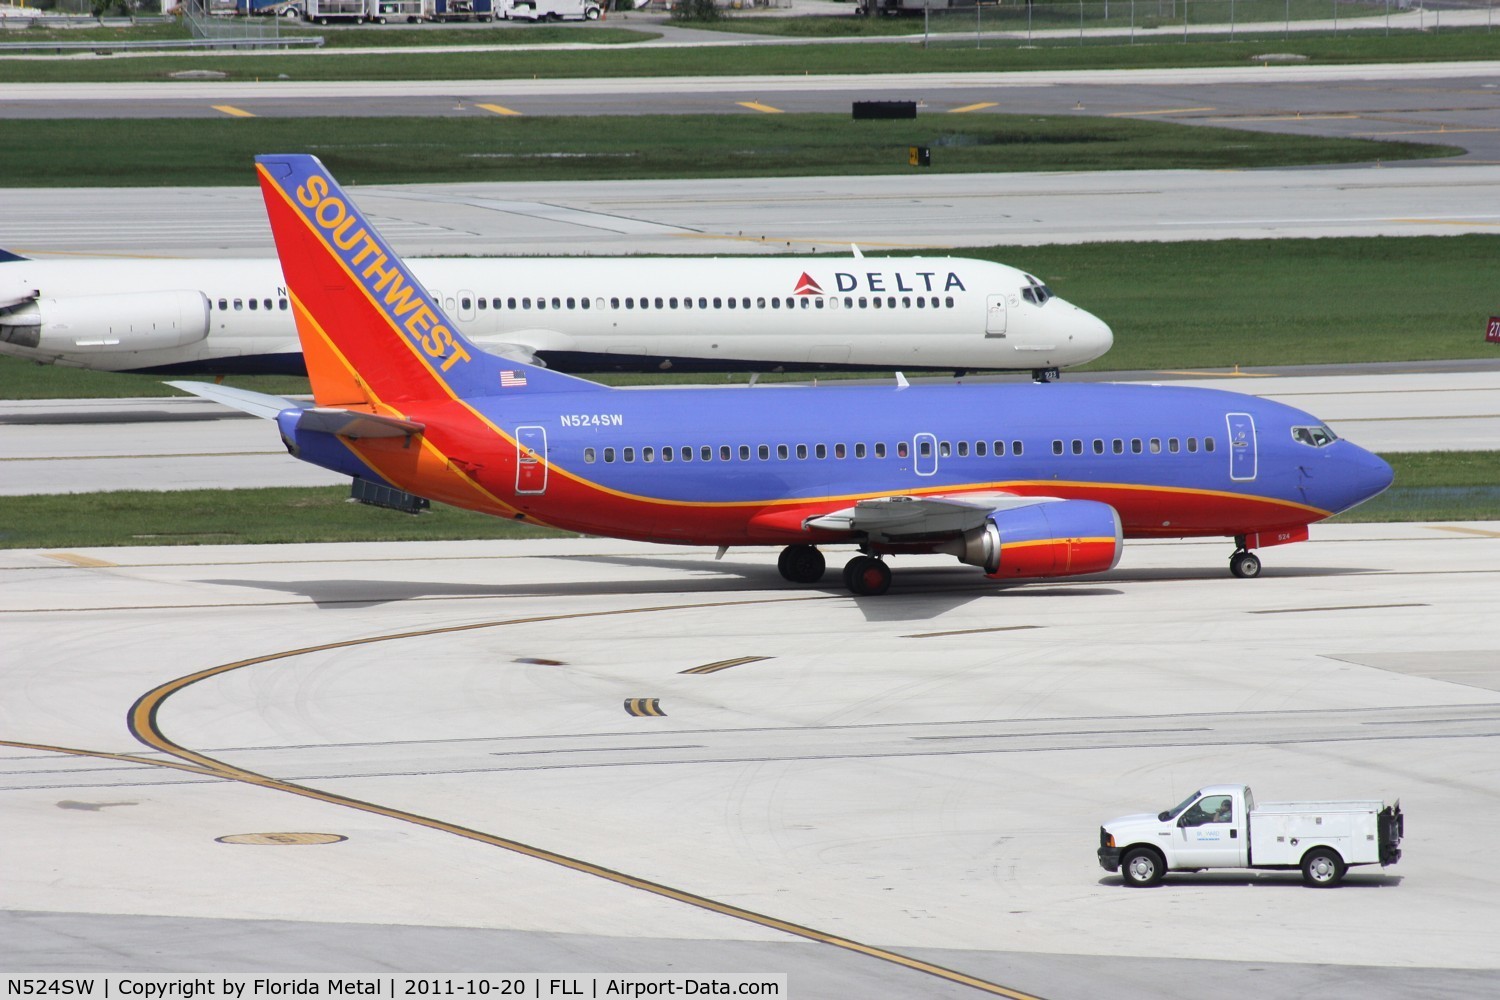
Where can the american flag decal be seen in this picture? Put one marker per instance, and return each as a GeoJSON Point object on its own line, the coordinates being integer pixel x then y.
{"type": "Point", "coordinates": [510, 379]}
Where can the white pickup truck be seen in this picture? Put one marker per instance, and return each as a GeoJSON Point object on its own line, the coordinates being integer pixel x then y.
{"type": "Point", "coordinates": [1222, 826]}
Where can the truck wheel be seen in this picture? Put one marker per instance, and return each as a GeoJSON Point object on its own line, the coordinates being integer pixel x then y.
{"type": "Point", "coordinates": [1322, 868]}
{"type": "Point", "coordinates": [591, 14]}
{"type": "Point", "coordinates": [1142, 866]}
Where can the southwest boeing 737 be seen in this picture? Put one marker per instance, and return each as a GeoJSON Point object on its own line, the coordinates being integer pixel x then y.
{"type": "Point", "coordinates": [1021, 481]}
{"type": "Point", "coordinates": [582, 314]}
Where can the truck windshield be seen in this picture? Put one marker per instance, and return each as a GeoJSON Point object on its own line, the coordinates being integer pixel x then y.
{"type": "Point", "coordinates": [1177, 809]}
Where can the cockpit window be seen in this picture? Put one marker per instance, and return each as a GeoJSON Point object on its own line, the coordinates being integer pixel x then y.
{"type": "Point", "coordinates": [1317, 436]}
{"type": "Point", "coordinates": [1035, 292]}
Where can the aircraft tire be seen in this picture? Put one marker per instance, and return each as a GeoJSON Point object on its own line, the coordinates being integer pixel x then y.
{"type": "Point", "coordinates": [1245, 565]}
{"type": "Point", "coordinates": [801, 564]}
{"type": "Point", "coordinates": [867, 577]}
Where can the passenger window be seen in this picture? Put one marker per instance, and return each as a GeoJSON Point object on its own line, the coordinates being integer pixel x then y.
{"type": "Point", "coordinates": [648, 454]}
{"type": "Point", "coordinates": [819, 301]}
{"type": "Point", "coordinates": [725, 453]}
{"type": "Point", "coordinates": [1135, 446]}
{"type": "Point", "coordinates": [718, 302]}
{"type": "Point", "coordinates": [585, 302]}
{"type": "Point", "coordinates": [1119, 446]}
{"type": "Point", "coordinates": [510, 302]}
{"type": "Point", "coordinates": [239, 304]}
{"type": "Point", "coordinates": [925, 449]}
{"type": "Point", "coordinates": [1077, 447]}
{"type": "Point", "coordinates": [706, 453]}
{"type": "Point", "coordinates": [1015, 447]}
{"type": "Point", "coordinates": [628, 454]}
{"type": "Point", "coordinates": [782, 452]}
{"type": "Point", "coordinates": [266, 304]}
{"type": "Point", "coordinates": [880, 450]}
{"type": "Point", "coordinates": [948, 302]}
{"type": "Point", "coordinates": [963, 449]}
{"type": "Point", "coordinates": [614, 303]}
{"type": "Point", "coordinates": [703, 303]}
{"type": "Point", "coordinates": [572, 302]}
{"type": "Point", "coordinates": [483, 304]}
{"type": "Point", "coordinates": [466, 303]}
{"type": "Point", "coordinates": [609, 454]}
{"type": "Point", "coordinates": [666, 454]}
{"type": "Point", "coordinates": [760, 303]}
{"type": "Point", "coordinates": [556, 302]}
{"type": "Point", "coordinates": [862, 302]}
{"type": "Point", "coordinates": [658, 303]}
{"type": "Point", "coordinates": [588, 455]}
{"type": "Point", "coordinates": [901, 449]}
{"type": "Point", "coordinates": [764, 451]}
{"type": "Point", "coordinates": [859, 450]}
{"type": "Point", "coordinates": [223, 304]}
{"type": "Point", "coordinates": [1156, 446]}
{"type": "Point", "coordinates": [526, 303]}
{"type": "Point", "coordinates": [876, 301]}
{"type": "Point", "coordinates": [1172, 445]}
{"type": "Point", "coordinates": [802, 452]}
{"type": "Point", "coordinates": [821, 451]}
{"type": "Point", "coordinates": [686, 453]}
{"type": "Point", "coordinates": [1057, 447]}
{"type": "Point", "coordinates": [999, 449]}
{"type": "Point", "coordinates": [1208, 444]}
{"type": "Point", "coordinates": [1098, 446]}
{"type": "Point", "coordinates": [1192, 444]}
{"type": "Point", "coordinates": [979, 448]}
{"type": "Point", "coordinates": [254, 304]}
{"type": "Point", "coordinates": [921, 302]}
{"type": "Point", "coordinates": [838, 451]}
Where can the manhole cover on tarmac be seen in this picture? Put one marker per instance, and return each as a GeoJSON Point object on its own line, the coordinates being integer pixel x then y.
{"type": "Point", "coordinates": [280, 839]}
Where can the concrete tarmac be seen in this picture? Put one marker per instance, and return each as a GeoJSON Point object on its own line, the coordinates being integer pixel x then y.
{"type": "Point", "coordinates": [81, 446]}
{"type": "Point", "coordinates": [783, 215]}
{"type": "Point", "coordinates": [917, 778]}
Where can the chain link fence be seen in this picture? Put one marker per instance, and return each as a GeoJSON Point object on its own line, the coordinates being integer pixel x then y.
{"type": "Point", "coordinates": [1113, 21]}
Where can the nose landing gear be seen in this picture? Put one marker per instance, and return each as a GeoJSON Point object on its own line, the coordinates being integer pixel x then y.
{"type": "Point", "coordinates": [1244, 564]}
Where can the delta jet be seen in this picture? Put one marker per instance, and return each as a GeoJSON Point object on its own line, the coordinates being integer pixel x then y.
{"type": "Point", "coordinates": [590, 314]}
{"type": "Point", "coordinates": [1020, 481]}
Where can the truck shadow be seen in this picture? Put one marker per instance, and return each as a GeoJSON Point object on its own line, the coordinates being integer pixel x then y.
{"type": "Point", "coordinates": [1288, 879]}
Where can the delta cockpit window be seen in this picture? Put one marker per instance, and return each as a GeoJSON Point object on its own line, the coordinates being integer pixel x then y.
{"type": "Point", "coordinates": [1035, 292]}
{"type": "Point", "coordinates": [1317, 436]}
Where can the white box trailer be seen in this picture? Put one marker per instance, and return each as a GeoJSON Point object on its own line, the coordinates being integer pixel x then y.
{"type": "Point", "coordinates": [1222, 826]}
{"type": "Point", "coordinates": [327, 11]}
{"type": "Point", "coordinates": [410, 11]}
{"type": "Point", "coordinates": [552, 10]}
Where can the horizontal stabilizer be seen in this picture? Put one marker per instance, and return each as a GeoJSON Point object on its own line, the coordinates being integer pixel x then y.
{"type": "Point", "coordinates": [353, 424]}
{"type": "Point", "coordinates": [6, 256]}
{"type": "Point", "coordinates": [258, 404]}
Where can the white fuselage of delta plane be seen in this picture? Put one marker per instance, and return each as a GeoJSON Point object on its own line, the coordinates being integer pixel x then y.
{"type": "Point", "coordinates": [577, 314]}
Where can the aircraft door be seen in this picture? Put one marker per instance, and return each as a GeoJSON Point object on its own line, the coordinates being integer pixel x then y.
{"type": "Point", "coordinates": [994, 323]}
{"type": "Point", "coordinates": [924, 454]}
{"type": "Point", "coordinates": [531, 460]}
{"type": "Point", "coordinates": [1242, 452]}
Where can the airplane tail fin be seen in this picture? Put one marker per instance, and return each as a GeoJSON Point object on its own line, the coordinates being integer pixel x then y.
{"type": "Point", "coordinates": [6, 256]}
{"type": "Point", "coordinates": [370, 332]}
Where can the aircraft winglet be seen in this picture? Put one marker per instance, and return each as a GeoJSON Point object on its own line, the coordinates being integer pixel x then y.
{"type": "Point", "coordinates": [370, 332]}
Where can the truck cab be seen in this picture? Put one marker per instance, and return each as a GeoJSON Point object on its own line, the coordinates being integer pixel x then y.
{"type": "Point", "coordinates": [1221, 826]}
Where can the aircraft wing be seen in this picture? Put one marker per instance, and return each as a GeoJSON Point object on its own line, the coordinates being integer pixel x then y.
{"type": "Point", "coordinates": [509, 350]}
{"type": "Point", "coordinates": [905, 518]}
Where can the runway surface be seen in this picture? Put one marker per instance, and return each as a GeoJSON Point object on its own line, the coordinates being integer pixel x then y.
{"type": "Point", "coordinates": [80, 446]}
{"type": "Point", "coordinates": [917, 778]}
{"type": "Point", "coordinates": [784, 214]}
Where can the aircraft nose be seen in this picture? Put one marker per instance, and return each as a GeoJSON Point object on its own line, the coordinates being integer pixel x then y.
{"type": "Point", "coordinates": [1368, 476]}
{"type": "Point", "coordinates": [1095, 334]}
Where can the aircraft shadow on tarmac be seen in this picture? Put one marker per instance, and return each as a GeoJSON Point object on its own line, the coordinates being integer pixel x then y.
{"type": "Point", "coordinates": [1274, 880]}
{"type": "Point", "coordinates": [919, 593]}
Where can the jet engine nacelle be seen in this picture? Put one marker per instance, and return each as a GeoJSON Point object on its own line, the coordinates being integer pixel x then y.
{"type": "Point", "coordinates": [127, 321]}
{"type": "Point", "coordinates": [1049, 538]}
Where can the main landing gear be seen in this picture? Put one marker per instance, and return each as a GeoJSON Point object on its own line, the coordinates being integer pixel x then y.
{"type": "Point", "coordinates": [865, 576]}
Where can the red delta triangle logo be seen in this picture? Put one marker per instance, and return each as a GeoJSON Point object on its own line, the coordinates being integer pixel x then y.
{"type": "Point", "coordinates": [807, 286]}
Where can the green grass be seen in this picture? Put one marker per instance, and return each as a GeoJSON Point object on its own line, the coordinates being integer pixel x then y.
{"type": "Point", "coordinates": [1445, 486]}
{"type": "Point", "coordinates": [231, 517]}
{"type": "Point", "coordinates": [485, 147]}
{"type": "Point", "coordinates": [1171, 305]}
{"type": "Point", "coordinates": [903, 57]}
{"type": "Point", "coordinates": [1436, 486]}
